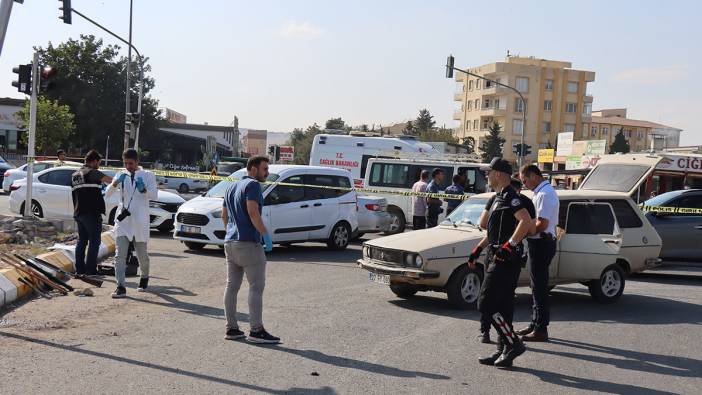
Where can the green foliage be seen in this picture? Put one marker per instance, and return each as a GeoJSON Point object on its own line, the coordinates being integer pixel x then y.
{"type": "Point", "coordinates": [620, 144]}
{"type": "Point", "coordinates": [492, 145]}
{"type": "Point", "coordinates": [424, 122]}
{"type": "Point", "coordinates": [54, 125]}
{"type": "Point", "coordinates": [335, 123]}
{"type": "Point", "coordinates": [439, 135]}
{"type": "Point", "coordinates": [91, 81]}
{"type": "Point", "coordinates": [409, 128]}
{"type": "Point", "coordinates": [302, 141]}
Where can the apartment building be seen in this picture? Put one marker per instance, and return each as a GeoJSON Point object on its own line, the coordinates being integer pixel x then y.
{"type": "Point", "coordinates": [606, 123]}
{"type": "Point", "coordinates": [555, 94]}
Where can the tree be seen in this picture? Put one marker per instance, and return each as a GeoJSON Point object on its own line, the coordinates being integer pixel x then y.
{"type": "Point", "coordinates": [425, 121]}
{"type": "Point", "coordinates": [469, 143]}
{"type": "Point", "coordinates": [335, 123]}
{"type": "Point", "coordinates": [492, 145]}
{"type": "Point", "coordinates": [54, 125]}
{"type": "Point", "coordinates": [620, 144]}
{"type": "Point", "coordinates": [409, 128]}
{"type": "Point", "coordinates": [302, 141]}
{"type": "Point", "coordinates": [439, 135]}
{"type": "Point", "coordinates": [90, 80]}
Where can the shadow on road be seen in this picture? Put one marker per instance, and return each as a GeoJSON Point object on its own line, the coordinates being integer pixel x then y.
{"type": "Point", "coordinates": [348, 363]}
{"type": "Point", "coordinates": [169, 295]}
{"type": "Point", "coordinates": [434, 305]}
{"type": "Point", "coordinates": [167, 369]}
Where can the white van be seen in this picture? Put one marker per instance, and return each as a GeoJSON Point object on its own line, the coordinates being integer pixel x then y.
{"type": "Point", "coordinates": [353, 152]}
{"type": "Point", "coordinates": [401, 174]}
{"type": "Point", "coordinates": [291, 214]}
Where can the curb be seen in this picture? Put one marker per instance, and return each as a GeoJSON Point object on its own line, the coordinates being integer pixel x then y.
{"type": "Point", "coordinates": [11, 289]}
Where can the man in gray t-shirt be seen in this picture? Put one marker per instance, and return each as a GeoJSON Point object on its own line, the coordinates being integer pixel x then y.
{"type": "Point", "coordinates": [419, 203]}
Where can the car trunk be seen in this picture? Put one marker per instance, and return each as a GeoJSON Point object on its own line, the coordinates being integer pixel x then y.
{"type": "Point", "coordinates": [621, 173]}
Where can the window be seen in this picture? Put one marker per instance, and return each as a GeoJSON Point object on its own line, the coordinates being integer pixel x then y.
{"type": "Point", "coordinates": [470, 105]}
{"type": "Point", "coordinates": [572, 87]}
{"type": "Point", "coordinates": [283, 194]}
{"type": "Point", "coordinates": [470, 85]}
{"type": "Point", "coordinates": [40, 166]}
{"type": "Point", "coordinates": [547, 105]}
{"type": "Point", "coordinates": [488, 84]}
{"type": "Point", "coordinates": [364, 159]}
{"type": "Point", "coordinates": [416, 170]}
{"type": "Point", "coordinates": [477, 104]}
{"type": "Point", "coordinates": [391, 175]}
{"type": "Point", "coordinates": [605, 131]}
{"type": "Point", "coordinates": [518, 105]}
{"type": "Point", "coordinates": [590, 219]}
{"type": "Point", "coordinates": [546, 127]}
{"type": "Point", "coordinates": [587, 109]}
{"type": "Point", "coordinates": [487, 103]}
{"type": "Point", "coordinates": [486, 123]}
{"type": "Point", "coordinates": [614, 177]}
{"type": "Point", "coordinates": [569, 127]}
{"type": "Point", "coordinates": [325, 180]}
{"type": "Point", "coordinates": [517, 126]}
{"type": "Point", "coordinates": [497, 104]}
{"type": "Point", "coordinates": [640, 134]}
{"type": "Point", "coordinates": [571, 107]}
{"type": "Point", "coordinates": [475, 181]}
{"type": "Point", "coordinates": [522, 84]}
{"type": "Point", "coordinates": [475, 124]}
{"type": "Point", "coordinates": [626, 215]}
{"type": "Point", "coordinates": [58, 177]}
{"type": "Point", "coordinates": [11, 140]}
{"type": "Point", "coordinates": [690, 201]}
{"type": "Point", "coordinates": [548, 85]}
{"type": "Point", "coordinates": [593, 131]}
{"type": "Point", "coordinates": [627, 134]}
{"type": "Point", "coordinates": [478, 84]}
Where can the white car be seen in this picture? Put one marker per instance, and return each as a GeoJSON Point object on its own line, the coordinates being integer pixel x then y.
{"type": "Point", "coordinates": [51, 198]}
{"type": "Point", "coordinates": [291, 213]}
{"type": "Point", "coordinates": [19, 173]}
{"type": "Point", "coordinates": [183, 185]}
{"type": "Point", "coordinates": [373, 216]}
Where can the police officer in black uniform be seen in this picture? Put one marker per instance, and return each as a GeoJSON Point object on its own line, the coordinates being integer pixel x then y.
{"type": "Point", "coordinates": [508, 223]}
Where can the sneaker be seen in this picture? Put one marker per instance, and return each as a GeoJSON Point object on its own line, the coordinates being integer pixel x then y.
{"type": "Point", "coordinates": [262, 337]}
{"type": "Point", "coordinates": [143, 284]}
{"type": "Point", "coordinates": [234, 334]}
{"type": "Point", "coordinates": [119, 293]}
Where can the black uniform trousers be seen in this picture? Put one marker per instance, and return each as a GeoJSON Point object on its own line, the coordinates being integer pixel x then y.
{"type": "Point", "coordinates": [541, 253]}
{"type": "Point", "coordinates": [433, 212]}
{"type": "Point", "coordinates": [497, 291]}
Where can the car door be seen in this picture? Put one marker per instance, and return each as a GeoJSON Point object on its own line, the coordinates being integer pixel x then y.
{"type": "Point", "coordinates": [287, 211]}
{"type": "Point", "coordinates": [681, 232]}
{"type": "Point", "coordinates": [54, 193]}
{"type": "Point", "coordinates": [324, 204]}
{"type": "Point", "coordinates": [591, 241]}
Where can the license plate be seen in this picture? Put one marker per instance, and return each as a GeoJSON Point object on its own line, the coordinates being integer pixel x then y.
{"type": "Point", "coordinates": [190, 229]}
{"type": "Point", "coordinates": [379, 278]}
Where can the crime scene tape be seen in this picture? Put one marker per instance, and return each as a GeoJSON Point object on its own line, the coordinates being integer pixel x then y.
{"type": "Point", "coordinates": [207, 177]}
{"type": "Point", "coordinates": [675, 210]}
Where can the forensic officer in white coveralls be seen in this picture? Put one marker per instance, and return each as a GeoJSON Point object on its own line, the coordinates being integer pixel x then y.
{"type": "Point", "coordinates": [136, 187]}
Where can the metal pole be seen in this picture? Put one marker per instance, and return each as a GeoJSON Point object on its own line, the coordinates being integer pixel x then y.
{"type": "Point", "coordinates": [127, 108]}
{"type": "Point", "coordinates": [141, 97]}
{"type": "Point", "coordinates": [107, 151]}
{"type": "Point", "coordinates": [5, 10]}
{"type": "Point", "coordinates": [28, 213]}
{"type": "Point", "coordinates": [519, 158]}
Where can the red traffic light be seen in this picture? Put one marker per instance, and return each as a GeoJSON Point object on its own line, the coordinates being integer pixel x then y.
{"type": "Point", "coordinates": [48, 72]}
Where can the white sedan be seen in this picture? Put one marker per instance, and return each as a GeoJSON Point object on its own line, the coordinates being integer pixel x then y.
{"type": "Point", "coordinates": [19, 173]}
{"type": "Point", "coordinates": [51, 198]}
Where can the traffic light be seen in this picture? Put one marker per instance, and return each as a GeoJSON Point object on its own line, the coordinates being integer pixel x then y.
{"type": "Point", "coordinates": [47, 78]}
{"type": "Point", "coordinates": [24, 80]}
{"type": "Point", "coordinates": [517, 149]}
{"type": "Point", "coordinates": [449, 66]}
{"type": "Point", "coordinates": [66, 8]}
{"type": "Point", "coordinates": [526, 150]}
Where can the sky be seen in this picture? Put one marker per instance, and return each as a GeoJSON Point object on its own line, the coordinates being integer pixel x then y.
{"type": "Point", "coordinates": [279, 65]}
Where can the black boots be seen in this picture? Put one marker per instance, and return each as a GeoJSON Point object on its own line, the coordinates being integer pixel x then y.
{"type": "Point", "coordinates": [490, 360]}
{"type": "Point", "coordinates": [511, 352]}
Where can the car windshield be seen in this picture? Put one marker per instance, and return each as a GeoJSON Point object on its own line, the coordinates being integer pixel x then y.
{"type": "Point", "coordinates": [614, 177]}
{"type": "Point", "coordinates": [468, 213]}
{"type": "Point", "coordinates": [663, 200]}
{"type": "Point", "coordinates": [220, 189]}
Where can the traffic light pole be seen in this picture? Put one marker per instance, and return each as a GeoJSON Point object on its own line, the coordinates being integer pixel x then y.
{"type": "Point", "coordinates": [141, 78]}
{"type": "Point", "coordinates": [5, 11]}
{"type": "Point", "coordinates": [521, 153]}
{"type": "Point", "coordinates": [32, 130]}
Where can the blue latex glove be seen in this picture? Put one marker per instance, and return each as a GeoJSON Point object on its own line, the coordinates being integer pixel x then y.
{"type": "Point", "coordinates": [121, 178]}
{"type": "Point", "coordinates": [140, 186]}
{"type": "Point", "coordinates": [267, 243]}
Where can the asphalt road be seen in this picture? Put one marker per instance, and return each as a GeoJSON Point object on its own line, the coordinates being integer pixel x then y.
{"type": "Point", "coordinates": [342, 334]}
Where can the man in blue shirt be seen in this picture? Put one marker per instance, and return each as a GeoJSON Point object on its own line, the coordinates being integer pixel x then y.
{"type": "Point", "coordinates": [454, 189]}
{"type": "Point", "coordinates": [434, 204]}
{"type": "Point", "coordinates": [241, 214]}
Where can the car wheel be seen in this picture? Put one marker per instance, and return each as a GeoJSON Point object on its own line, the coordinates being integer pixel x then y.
{"type": "Point", "coordinates": [194, 246]}
{"type": "Point", "coordinates": [609, 287]}
{"type": "Point", "coordinates": [183, 188]}
{"type": "Point", "coordinates": [340, 236]}
{"type": "Point", "coordinates": [403, 290]}
{"type": "Point", "coordinates": [397, 222]}
{"type": "Point", "coordinates": [463, 288]}
{"type": "Point", "coordinates": [36, 209]}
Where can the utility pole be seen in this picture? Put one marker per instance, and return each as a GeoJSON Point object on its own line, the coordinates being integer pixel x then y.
{"type": "Point", "coordinates": [127, 107]}
{"type": "Point", "coordinates": [5, 10]}
{"type": "Point", "coordinates": [28, 212]}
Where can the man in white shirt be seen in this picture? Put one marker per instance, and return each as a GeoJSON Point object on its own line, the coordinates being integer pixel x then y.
{"type": "Point", "coordinates": [419, 204]}
{"type": "Point", "coordinates": [542, 249]}
{"type": "Point", "coordinates": [132, 225]}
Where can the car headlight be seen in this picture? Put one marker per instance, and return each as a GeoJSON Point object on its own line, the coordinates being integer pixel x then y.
{"type": "Point", "coordinates": [155, 204]}
{"type": "Point", "coordinates": [217, 214]}
{"type": "Point", "coordinates": [366, 251]}
{"type": "Point", "coordinates": [418, 261]}
{"type": "Point", "coordinates": [409, 260]}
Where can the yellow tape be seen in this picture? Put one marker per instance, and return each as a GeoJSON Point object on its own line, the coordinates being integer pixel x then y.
{"type": "Point", "coordinates": [676, 210]}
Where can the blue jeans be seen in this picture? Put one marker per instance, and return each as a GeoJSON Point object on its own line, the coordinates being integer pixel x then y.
{"type": "Point", "coordinates": [89, 231]}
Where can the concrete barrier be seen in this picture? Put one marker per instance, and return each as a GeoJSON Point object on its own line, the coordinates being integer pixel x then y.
{"type": "Point", "coordinates": [63, 256]}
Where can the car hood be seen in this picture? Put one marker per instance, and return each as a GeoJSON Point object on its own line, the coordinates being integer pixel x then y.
{"type": "Point", "coordinates": [438, 242]}
{"type": "Point", "coordinates": [201, 204]}
{"type": "Point", "coordinates": [168, 197]}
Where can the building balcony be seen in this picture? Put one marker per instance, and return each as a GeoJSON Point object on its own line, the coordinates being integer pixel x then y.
{"type": "Point", "coordinates": [459, 96]}
{"type": "Point", "coordinates": [588, 99]}
{"type": "Point", "coordinates": [493, 111]}
{"type": "Point", "coordinates": [458, 115]}
{"type": "Point", "coordinates": [495, 90]}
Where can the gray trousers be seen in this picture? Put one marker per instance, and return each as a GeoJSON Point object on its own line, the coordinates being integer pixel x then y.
{"type": "Point", "coordinates": [245, 257]}
{"type": "Point", "coordinates": [121, 259]}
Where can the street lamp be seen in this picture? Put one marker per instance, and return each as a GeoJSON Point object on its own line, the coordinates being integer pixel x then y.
{"type": "Point", "coordinates": [449, 74]}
